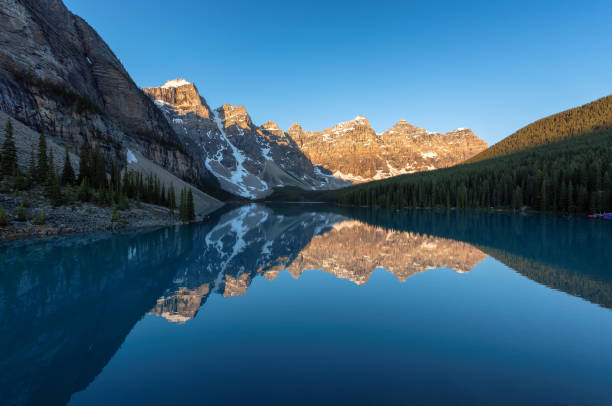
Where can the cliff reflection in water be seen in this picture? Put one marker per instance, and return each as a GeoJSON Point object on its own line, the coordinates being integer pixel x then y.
{"type": "Point", "coordinates": [66, 305]}
{"type": "Point", "coordinates": [255, 240]}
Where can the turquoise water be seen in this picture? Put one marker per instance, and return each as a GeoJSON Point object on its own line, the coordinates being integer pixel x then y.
{"type": "Point", "coordinates": [313, 305]}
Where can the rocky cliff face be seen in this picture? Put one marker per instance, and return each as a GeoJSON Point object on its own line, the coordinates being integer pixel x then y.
{"type": "Point", "coordinates": [248, 160]}
{"type": "Point", "coordinates": [355, 152]}
{"type": "Point", "coordinates": [57, 73]}
{"type": "Point", "coordinates": [182, 96]}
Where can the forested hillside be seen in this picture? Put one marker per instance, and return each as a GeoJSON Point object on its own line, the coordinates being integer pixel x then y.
{"type": "Point", "coordinates": [592, 118]}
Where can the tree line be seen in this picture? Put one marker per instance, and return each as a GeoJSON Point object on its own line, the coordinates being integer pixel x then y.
{"type": "Point", "coordinates": [92, 184]}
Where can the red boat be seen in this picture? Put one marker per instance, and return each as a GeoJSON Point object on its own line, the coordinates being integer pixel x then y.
{"type": "Point", "coordinates": [603, 216]}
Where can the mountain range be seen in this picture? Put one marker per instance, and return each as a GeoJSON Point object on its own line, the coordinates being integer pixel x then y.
{"type": "Point", "coordinates": [251, 160]}
{"type": "Point", "coordinates": [247, 159]}
{"type": "Point", "coordinates": [354, 151]}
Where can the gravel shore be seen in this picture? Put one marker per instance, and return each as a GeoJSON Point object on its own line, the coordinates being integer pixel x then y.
{"type": "Point", "coordinates": [76, 218]}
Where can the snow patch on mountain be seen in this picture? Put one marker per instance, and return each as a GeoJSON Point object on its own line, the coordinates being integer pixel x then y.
{"type": "Point", "coordinates": [427, 155]}
{"type": "Point", "coordinates": [349, 177]}
{"type": "Point", "coordinates": [240, 175]}
{"type": "Point", "coordinates": [175, 83]}
{"type": "Point", "coordinates": [131, 158]}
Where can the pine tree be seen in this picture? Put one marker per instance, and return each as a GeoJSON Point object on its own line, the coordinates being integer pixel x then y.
{"type": "Point", "coordinates": [183, 206]}
{"type": "Point", "coordinates": [68, 176]}
{"type": "Point", "coordinates": [190, 206]}
{"type": "Point", "coordinates": [124, 202]}
{"type": "Point", "coordinates": [68, 195]}
{"type": "Point", "coordinates": [41, 219]}
{"type": "Point", "coordinates": [42, 168]}
{"type": "Point", "coordinates": [103, 198]}
{"type": "Point", "coordinates": [543, 197]}
{"type": "Point", "coordinates": [171, 200]}
{"type": "Point", "coordinates": [115, 179]}
{"type": "Point", "coordinates": [83, 192]}
{"type": "Point", "coordinates": [9, 151]}
{"type": "Point", "coordinates": [32, 169]}
{"type": "Point", "coordinates": [98, 170]}
{"type": "Point", "coordinates": [3, 218]}
{"type": "Point", "coordinates": [126, 183]}
{"type": "Point", "coordinates": [156, 191]}
{"type": "Point", "coordinates": [52, 186]}
{"type": "Point", "coordinates": [21, 213]}
{"type": "Point", "coordinates": [114, 215]}
{"type": "Point", "coordinates": [50, 175]}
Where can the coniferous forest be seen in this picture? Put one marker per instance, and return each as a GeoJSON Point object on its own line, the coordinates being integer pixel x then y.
{"type": "Point", "coordinates": [592, 118]}
{"type": "Point", "coordinates": [93, 184]}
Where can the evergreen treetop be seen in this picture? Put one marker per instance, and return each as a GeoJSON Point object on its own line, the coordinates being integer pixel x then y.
{"type": "Point", "coordinates": [68, 176]}
{"type": "Point", "coordinates": [9, 150]}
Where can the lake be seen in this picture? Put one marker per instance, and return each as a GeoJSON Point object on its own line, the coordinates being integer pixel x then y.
{"type": "Point", "coordinates": [313, 304]}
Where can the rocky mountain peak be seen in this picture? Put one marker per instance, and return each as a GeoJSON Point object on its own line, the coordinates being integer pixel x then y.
{"type": "Point", "coordinates": [461, 130]}
{"type": "Point", "coordinates": [295, 128]}
{"type": "Point", "coordinates": [297, 133]}
{"type": "Point", "coordinates": [404, 128]}
{"type": "Point", "coordinates": [235, 115]}
{"type": "Point", "coordinates": [272, 128]}
{"type": "Point", "coordinates": [357, 130]}
{"type": "Point", "coordinates": [182, 96]}
{"type": "Point", "coordinates": [358, 121]}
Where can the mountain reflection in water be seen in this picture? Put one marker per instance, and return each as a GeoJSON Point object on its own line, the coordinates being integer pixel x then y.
{"type": "Point", "coordinates": [68, 304]}
{"type": "Point", "coordinates": [255, 241]}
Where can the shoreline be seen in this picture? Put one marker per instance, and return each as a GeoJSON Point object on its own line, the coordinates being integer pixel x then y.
{"type": "Point", "coordinates": [79, 218]}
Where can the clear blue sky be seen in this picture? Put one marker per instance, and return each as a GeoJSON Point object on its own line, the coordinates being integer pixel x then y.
{"type": "Point", "coordinates": [493, 66]}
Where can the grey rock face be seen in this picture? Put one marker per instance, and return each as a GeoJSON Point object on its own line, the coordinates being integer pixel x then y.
{"type": "Point", "coordinates": [57, 73]}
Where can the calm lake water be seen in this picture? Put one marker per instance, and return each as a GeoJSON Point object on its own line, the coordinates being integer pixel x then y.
{"type": "Point", "coordinates": [313, 305]}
